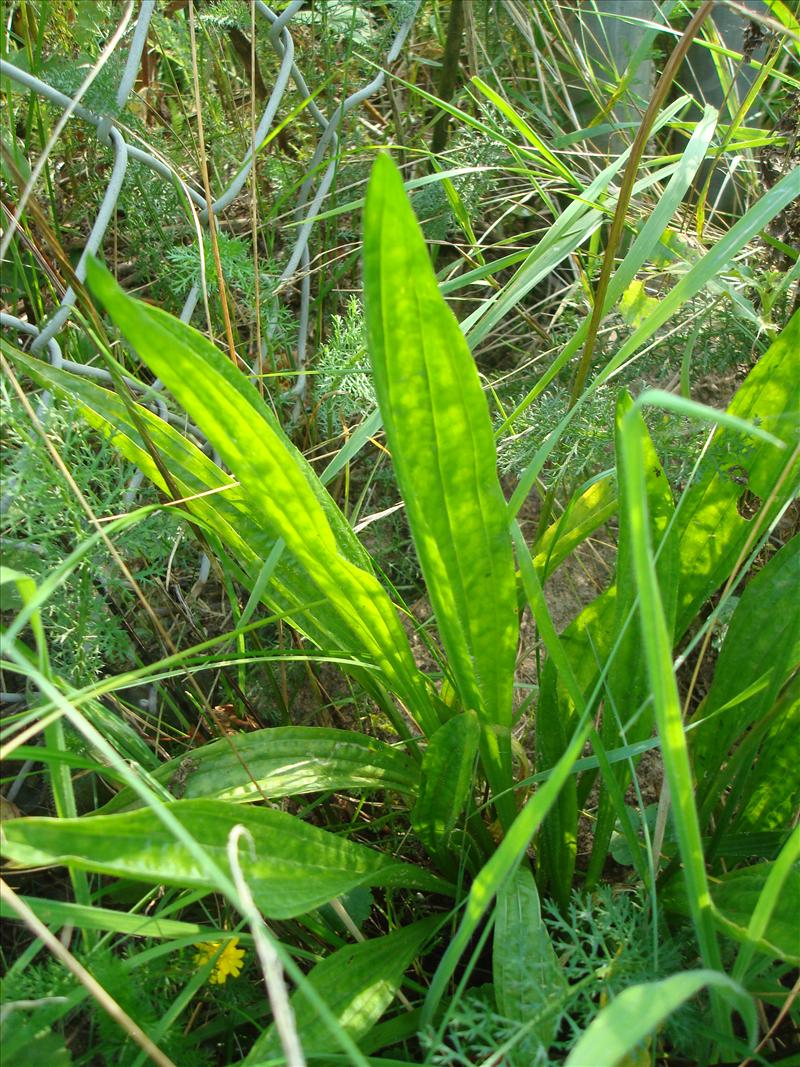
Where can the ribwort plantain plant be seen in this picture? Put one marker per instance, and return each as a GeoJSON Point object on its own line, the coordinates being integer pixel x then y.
{"type": "Point", "coordinates": [474, 824]}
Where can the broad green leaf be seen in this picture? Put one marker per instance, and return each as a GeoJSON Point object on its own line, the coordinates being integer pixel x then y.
{"type": "Point", "coordinates": [590, 508]}
{"type": "Point", "coordinates": [711, 531]}
{"type": "Point", "coordinates": [710, 535]}
{"type": "Point", "coordinates": [448, 769]}
{"type": "Point", "coordinates": [279, 488]}
{"type": "Point", "coordinates": [214, 500]}
{"type": "Point", "coordinates": [528, 977]}
{"type": "Point", "coordinates": [282, 761]}
{"type": "Point", "coordinates": [729, 847]}
{"type": "Point", "coordinates": [632, 1016]}
{"type": "Point", "coordinates": [399, 1028]}
{"type": "Point", "coordinates": [357, 983]}
{"type": "Point", "coordinates": [297, 866]}
{"type": "Point", "coordinates": [439, 432]}
{"type": "Point", "coordinates": [636, 305]}
{"type": "Point", "coordinates": [763, 639]}
{"type": "Point", "coordinates": [773, 785]}
{"type": "Point", "coordinates": [736, 895]}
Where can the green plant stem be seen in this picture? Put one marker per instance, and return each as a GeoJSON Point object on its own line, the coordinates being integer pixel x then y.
{"type": "Point", "coordinates": [447, 81]}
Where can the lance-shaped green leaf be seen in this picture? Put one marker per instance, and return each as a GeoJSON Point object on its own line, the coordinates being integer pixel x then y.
{"type": "Point", "coordinates": [657, 645]}
{"type": "Point", "coordinates": [212, 497]}
{"type": "Point", "coordinates": [638, 1011]}
{"type": "Point", "coordinates": [710, 533]}
{"type": "Point", "coordinates": [91, 917]}
{"type": "Point", "coordinates": [529, 981]}
{"type": "Point", "coordinates": [736, 896]}
{"type": "Point", "coordinates": [762, 645]}
{"type": "Point", "coordinates": [278, 486]}
{"type": "Point", "coordinates": [712, 516]}
{"type": "Point", "coordinates": [590, 506]}
{"type": "Point", "coordinates": [282, 761]}
{"type": "Point", "coordinates": [773, 787]}
{"type": "Point", "coordinates": [440, 436]}
{"type": "Point", "coordinates": [492, 876]}
{"type": "Point", "coordinates": [217, 502]}
{"type": "Point", "coordinates": [447, 776]}
{"type": "Point", "coordinates": [781, 883]}
{"type": "Point", "coordinates": [357, 983]}
{"type": "Point", "coordinates": [297, 866]}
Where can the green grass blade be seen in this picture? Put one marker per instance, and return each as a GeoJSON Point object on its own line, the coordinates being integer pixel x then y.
{"type": "Point", "coordinates": [657, 645]}
{"type": "Point", "coordinates": [558, 843]}
{"type": "Point", "coordinates": [627, 685]}
{"type": "Point", "coordinates": [713, 263]}
{"type": "Point", "coordinates": [781, 872]}
{"type": "Point", "coordinates": [520, 124]}
{"type": "Point", "coordinates": [66, 913]}
{"type": "Point", "coordinates": [575, 225]}
{"type": "Point", "coordinates": [644, 247]}
{"type": "Point", "coordinates": [739, 900]}
{"type": "Point", "coordinates": [590, 506]}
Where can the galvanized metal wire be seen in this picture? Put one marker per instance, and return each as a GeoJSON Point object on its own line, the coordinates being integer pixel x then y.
{"type": "Point", "coordinates": [108, 132]}
{"type": "Point", "coordinates": [311, 196]}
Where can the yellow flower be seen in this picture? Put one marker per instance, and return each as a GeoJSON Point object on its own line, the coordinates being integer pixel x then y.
{"type": "Point", "coordinates": [229, 961]}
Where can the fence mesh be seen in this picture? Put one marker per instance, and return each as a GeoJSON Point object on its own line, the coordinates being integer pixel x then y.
{"type": "Point", "coordinates": [108, 129]}
{"type": "Point", "coordinates": [310, 199]}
